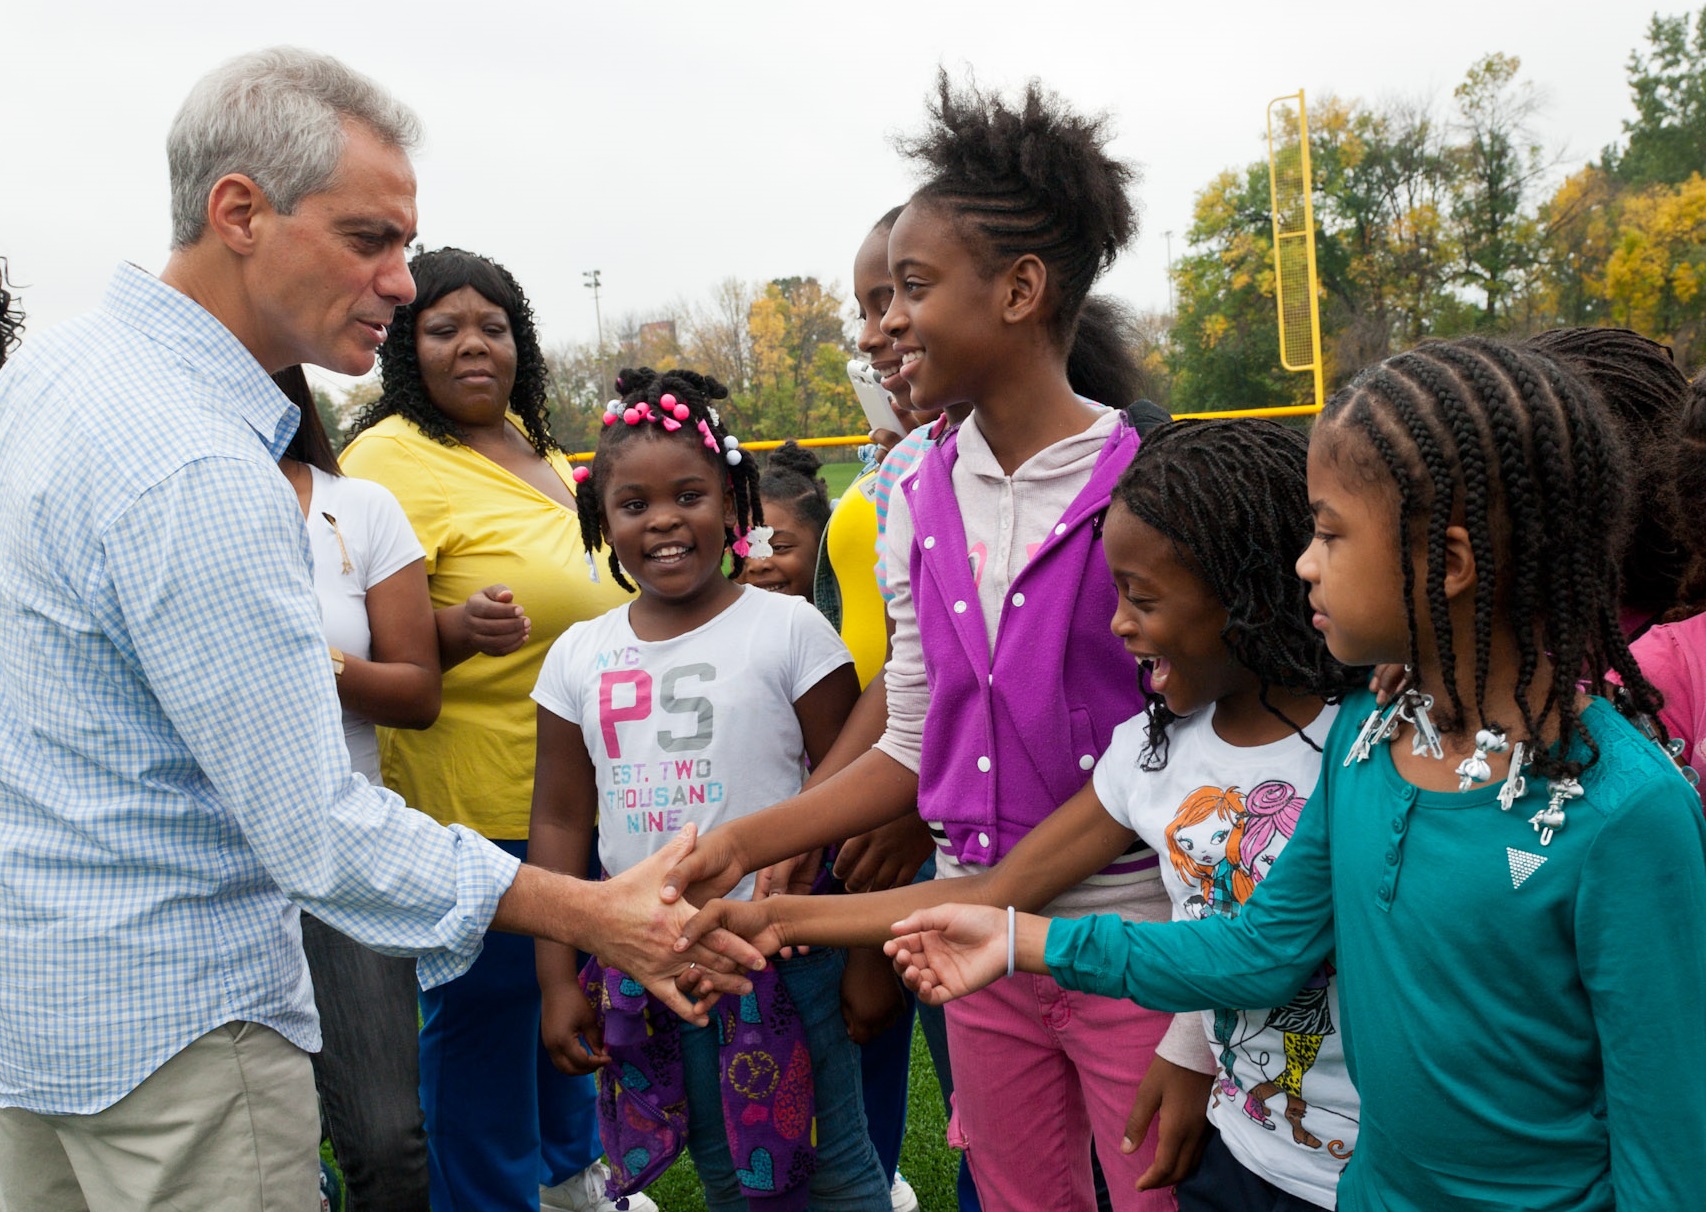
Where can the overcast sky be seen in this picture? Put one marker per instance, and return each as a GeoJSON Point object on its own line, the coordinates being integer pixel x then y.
{"type": "Point", "coordinates": [671, 145]}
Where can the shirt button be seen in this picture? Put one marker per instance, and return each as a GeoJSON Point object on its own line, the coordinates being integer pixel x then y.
{"type": "Point", "coordinates": [1018, 599]}
{"type": "Point", "coordinates": [1385, 893]}
{"type": "Point", "coordinates": [1087, 762]}
{"type": "Point", "coordinates": [1391, 857]}
{"type": "Point", "coordinates": [959, 607]}
{"type": "Point", "coordinates": [1397, 823]}
{"type": "Point", "coordinates": [1060, 529]}
{"type": "Point", "coordinates": [983, 839]}
{"type": "Point", "coordinates": [983, 764]}
{"type": "Point", "coordinates": [929, 542]}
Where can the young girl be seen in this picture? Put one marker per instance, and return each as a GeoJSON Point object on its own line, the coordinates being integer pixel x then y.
{"type": "Point", "coordinates": [1215, 774]}
{"type": "Point", "coordinates": [1005, 684]}
{"type": "Point", "coordinates": [702, 700]}
{"type": "Point", "coordinates": [795, 504]}
{"type": "Point", "coordinates": [1508, 1006]}
{"type": "Point", "coordinates": [1673, 654]}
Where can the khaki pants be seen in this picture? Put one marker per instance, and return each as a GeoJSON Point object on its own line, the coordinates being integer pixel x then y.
{"type": "Point", "coordinates": [227, 1125]}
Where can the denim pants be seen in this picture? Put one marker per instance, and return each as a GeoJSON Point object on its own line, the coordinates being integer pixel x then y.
{"type": "Point", "coordinates": [367, 1071]}
{"type": "Point", "coordinates": [848, 1177]}
{"type": "Point", "coordinates": [502, 1120]}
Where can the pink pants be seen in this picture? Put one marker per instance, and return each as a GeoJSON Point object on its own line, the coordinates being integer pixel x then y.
{"type": "Point", "coordinates": [1037, 1070]}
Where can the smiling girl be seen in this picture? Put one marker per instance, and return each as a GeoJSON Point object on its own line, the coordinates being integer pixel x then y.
{"type": "Point", "coordinates": [1005, 684]}
{"type": "Point", "coordinates": [1198, 538]}
{"type": "Point", "coordinates": [1509, 1004]}
{"type": "Point", "coordinates": [702, 700]}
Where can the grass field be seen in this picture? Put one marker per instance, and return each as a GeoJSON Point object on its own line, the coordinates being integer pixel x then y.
{"type": "Point", "coordinates": [929, 1165]}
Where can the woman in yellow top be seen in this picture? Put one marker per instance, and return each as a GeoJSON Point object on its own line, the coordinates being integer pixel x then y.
{"type": "Point", "coordinates": [460, 436]}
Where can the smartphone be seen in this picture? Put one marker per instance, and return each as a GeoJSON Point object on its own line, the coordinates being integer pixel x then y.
{"type": "Point", "coordinates": [877, 403]}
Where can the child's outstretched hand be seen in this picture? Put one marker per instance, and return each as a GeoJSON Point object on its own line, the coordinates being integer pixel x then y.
{"type": "Point", "coordinates": [750, 920]}
{"type": "Point", "coordinates": [571, 1031]}
{"type": "Point", "coordinates": [709, 871]}
{"type": "Point", "coordinates": [949, 951]}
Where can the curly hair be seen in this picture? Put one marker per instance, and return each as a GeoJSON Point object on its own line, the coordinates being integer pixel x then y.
{"type": "Point", "coordinates": [1033, 179]}
{"type": "Point", "coordinates": [11, 315]}
{"type": "Point", "coordinates": [1233, 498]}
{"type": "Point", "coordinates": [694, 391]}
{"type": "Point", "coordinates": [438, 273]}
{"type": "Point", "coordinates": [1639, 382]}
{"type": "Point", "coordinates": [1508, 443]}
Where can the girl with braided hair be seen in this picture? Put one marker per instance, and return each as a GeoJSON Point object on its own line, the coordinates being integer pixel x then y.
{"type": "Point", "coordinates": [1198, 537]}
{"type": "Point", "coordinates": [701, 700]}
{"type": "Point", "coordinates": [1507, 997]}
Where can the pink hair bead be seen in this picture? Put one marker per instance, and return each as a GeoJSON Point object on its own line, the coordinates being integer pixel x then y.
{"type": "Point", "coordinates": [581, 474]}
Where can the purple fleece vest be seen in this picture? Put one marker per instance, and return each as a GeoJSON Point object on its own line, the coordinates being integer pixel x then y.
{"type": "Point", "coordinates": [1009, 739]}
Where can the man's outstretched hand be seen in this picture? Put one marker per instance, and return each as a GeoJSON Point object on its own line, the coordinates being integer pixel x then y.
{"type": "Point", "coordinates": [639, 932]}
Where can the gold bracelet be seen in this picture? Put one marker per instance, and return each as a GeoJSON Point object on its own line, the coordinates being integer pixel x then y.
{"type": "Point", "coordinates": [337, 662]}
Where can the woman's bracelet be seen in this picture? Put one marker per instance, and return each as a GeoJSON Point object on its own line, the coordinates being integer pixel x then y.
{"type": "Point", "coordinates": [1012, 940]}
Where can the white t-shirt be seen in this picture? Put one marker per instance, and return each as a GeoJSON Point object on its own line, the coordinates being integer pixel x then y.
{"type": "Point", "coordinates": [698, 728]}
{"type": "Point", "coordinates": [1219, 815]}
{"type": "Point", "coordinates": [359, 536]}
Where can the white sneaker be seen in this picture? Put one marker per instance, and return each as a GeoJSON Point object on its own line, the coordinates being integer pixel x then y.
{"type": "Point", "coordinates": [584, 1192]}
{"type": "Point", "coordinates": [901, 1196]}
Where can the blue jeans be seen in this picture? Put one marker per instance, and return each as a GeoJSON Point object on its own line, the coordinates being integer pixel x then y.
{"type": "Point", "coordinates": [848, 1176]}
{"type": "Point", "coordinates": [501, 1118]}
{"type": "Point", "coordinates": [367, 1070]}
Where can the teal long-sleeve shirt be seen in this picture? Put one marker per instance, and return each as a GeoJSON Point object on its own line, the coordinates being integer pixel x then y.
{"type": "Point", "coordinates": [1519, 1018]}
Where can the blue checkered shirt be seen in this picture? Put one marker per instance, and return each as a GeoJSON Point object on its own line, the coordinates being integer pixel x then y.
{"type": "Point", "coordinates": [173, 777]}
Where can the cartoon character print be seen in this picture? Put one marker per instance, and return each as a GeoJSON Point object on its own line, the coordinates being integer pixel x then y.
{"type": "Point", "coordinates": [1270, 813]}
{"type": "Point", "coordinates": [1202, 842]}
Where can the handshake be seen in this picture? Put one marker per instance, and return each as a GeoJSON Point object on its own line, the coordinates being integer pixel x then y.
{"type": "Point", "coordinates": [645, 923]}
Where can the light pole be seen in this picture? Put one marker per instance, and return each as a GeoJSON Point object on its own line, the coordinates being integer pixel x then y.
{"type": "Point", "coordinates": [1172, 306]}
{"type": "Point", "coordinates": [591, 283]}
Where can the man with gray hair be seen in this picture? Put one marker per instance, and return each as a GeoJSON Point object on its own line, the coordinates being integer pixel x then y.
{"type": "Point", "coordinates": [173, 778]}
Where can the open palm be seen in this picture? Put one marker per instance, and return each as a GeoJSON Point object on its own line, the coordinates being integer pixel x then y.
{"type": "Point", "coordinates": [949, 951]}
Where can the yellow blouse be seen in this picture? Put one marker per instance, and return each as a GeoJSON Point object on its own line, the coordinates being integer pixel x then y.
{"type": "Point", "coordinates": [480, 526]}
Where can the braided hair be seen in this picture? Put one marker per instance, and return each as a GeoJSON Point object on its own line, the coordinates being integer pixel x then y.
{"type": "Point", "coordinates": [438, 273]}
{"type": "Point", "coordinates": [1033, 179]}
{"type": "Point", "coordinates": [695, 392]}
{"type": "Point", "coordinates": [1507, 443]}
{"type": "Point", "coordinates": [790, 479]}
{"type": "Point", "coordinates": [1233, 498]}
{"type": "Point", "coordinates": [1640, 384]}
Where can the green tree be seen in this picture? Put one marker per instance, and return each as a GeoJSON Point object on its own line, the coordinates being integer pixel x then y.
{"type": "Point", "coordinates": [1498, 162]}
{"type": "Point", "coordinates": [1667, 137]}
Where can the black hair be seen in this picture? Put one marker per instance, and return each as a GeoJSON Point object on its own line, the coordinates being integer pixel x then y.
{"type": "Point", "coordinates": [695, 392]}
{"type": "Point", "coordinates": [887, 221]}
{"type": "Point", "coordinates": [438, 273]}
{"type": "Point", "coordinates": [1030, 179]}
{"type": "Point", "coordinates": [1508, 443]}
{"type": "Point", "coordinates": [1691, 487]}
{"type": "Point", "coordinates": [309, 444]}
{"type": "Point", "coordinates": [1232, 496]}
{"type": "Point", "coordinates": [790, 479]}
{"type": "Point", "coordinates": [12, 316]}
{"type": "Point", "coordinates": [1639, 382]}
{"type": "Point", "coordinates": [1101, 364]}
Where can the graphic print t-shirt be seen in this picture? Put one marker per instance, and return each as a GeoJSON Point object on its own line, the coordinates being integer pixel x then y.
{"type": "Point", "coordinates": [1220, 815]}
{"type": "Point", "coordinates": [699, 728]}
